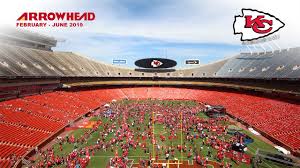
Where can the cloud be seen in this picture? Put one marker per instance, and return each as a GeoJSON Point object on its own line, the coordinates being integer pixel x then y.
{"type": "Point", "coordinates": [132, 29]}
{"type": "Point", "coordinates": [190, 20]}
{"type": "Point", "coordinates": [194, 20]}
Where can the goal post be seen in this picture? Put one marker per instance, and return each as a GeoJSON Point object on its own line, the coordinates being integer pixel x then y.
{"type": "Point", "coordinates": [174, 161]}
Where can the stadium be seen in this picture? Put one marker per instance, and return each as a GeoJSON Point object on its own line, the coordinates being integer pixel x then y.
{"type": "Point", "coordinates": [61, 109]}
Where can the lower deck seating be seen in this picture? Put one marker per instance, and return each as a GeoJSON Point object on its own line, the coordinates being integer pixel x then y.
{"type": "Point", "coordinates": [21, 136]}
{"type": "Point", "coordinates": [26, 122]}
{"type": "Point", "coordinates": [7, 150]}
{"type": "Point", "coordinates": [5, 163]}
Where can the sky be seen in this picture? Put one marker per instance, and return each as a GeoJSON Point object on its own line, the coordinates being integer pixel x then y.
{"type": "Point", "coordinates": [176, 29]}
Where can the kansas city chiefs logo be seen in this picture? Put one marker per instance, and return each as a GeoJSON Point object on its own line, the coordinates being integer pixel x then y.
{"type": "Point", "coordinates": [254, 24]}
{"type": "Point", "coordinates": [156, 63]}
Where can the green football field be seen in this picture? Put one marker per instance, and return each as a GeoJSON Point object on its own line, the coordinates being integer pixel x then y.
{"type": "Point", "coordinates": [101, 158]}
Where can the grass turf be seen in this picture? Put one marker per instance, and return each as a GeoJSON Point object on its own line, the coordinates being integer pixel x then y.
{"type": "Point", "coordinates": [101, 158]}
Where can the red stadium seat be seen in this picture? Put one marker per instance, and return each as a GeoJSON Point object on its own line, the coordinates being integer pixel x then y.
{"type": "Point", "coordinates": [26, 122]}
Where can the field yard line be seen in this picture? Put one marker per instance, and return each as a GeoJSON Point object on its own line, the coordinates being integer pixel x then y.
{"type": "Point", "coordinates": [153, 147]}
{"type": "Point", "coordinates": [114, 156]}
{"type": "Point", "coordinates": [251, 149]}
{"type": "Point", "coordinates": [181, 132]}
{"type": "Point", "coordinates": [268, 164]}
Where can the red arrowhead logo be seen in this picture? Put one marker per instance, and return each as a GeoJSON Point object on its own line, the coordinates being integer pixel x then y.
{"type": "Point", "coordinates": [156, 63]}
{"type": "Point", "coordinates": [254, 24]}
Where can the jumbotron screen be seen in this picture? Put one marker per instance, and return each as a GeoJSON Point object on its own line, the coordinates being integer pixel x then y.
{"type": "Point", "coordinates": [155, 63]}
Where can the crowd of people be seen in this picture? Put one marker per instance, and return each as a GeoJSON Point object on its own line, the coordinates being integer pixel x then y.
{"type": "Point", "coordinates": [161, 131]}
{"type": "Point", "coordinates": [78, 158]}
